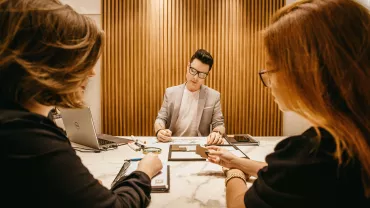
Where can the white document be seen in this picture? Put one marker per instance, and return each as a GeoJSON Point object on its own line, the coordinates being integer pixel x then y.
{"type": "Point", "coordinates": [185, 155]}
{"type": "Point", "coordinates": [189, 140]}
{"type": "Point", "coordinates": [160, 180]}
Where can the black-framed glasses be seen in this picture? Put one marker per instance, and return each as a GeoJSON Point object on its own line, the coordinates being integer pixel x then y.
{"type": "Point", "coordinates": [265, 78]}
{"type": "Point", "coordinates": [194, 72]}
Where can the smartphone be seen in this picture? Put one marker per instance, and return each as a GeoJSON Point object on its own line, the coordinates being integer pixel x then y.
{"type": "Point", "coordinates": [242, 139]}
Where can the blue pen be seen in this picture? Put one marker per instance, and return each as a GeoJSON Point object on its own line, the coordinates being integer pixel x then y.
{"type": "Point", "coordinates": [135, 159]}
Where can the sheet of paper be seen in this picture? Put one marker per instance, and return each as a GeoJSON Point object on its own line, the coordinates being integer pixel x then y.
{"type": "Point", "coordinates": [191, 147]}
{"type": "Point", "coordinates": [185, 155]}
{"type": "Point", "coordinates": [188, 140]}
{"type": "Point", "coordinates": [188, 147]}
{"type": "Point", "coordinates": [158, 180]}
{"type": "Point", "coordinates": [178, 148]}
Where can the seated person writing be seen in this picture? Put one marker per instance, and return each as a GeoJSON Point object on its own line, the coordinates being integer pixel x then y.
{"type": "Point", "coordinates": [318, 66]}
{"type": "Point", "coordinates": [192, 109]}
{"type": "Point", "coordinates": [47, 55]}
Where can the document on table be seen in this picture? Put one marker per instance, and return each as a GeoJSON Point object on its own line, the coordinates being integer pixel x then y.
{"type": "Point", "coordinates": [160, 182]}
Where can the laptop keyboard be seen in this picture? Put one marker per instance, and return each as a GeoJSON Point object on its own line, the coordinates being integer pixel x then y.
{"type": "Point", "coordinates": [104, 142]}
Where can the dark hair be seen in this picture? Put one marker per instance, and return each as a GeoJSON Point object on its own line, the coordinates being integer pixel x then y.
{"type": "Point", "coordinates": [47, 51]}
{"type": "Point", "coordinates": [203, 56]}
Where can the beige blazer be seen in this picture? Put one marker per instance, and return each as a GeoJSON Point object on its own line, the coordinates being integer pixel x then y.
{"type": "Point", "coordinates": [209, 115]}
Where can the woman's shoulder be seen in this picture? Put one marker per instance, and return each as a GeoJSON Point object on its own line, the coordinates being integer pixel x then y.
{"type": "Point", "coordinates": [304, 172]}
{"type": "Point", "coordinates": [25, 129]}
{"type": "Point", "coordinates": [313, 142]}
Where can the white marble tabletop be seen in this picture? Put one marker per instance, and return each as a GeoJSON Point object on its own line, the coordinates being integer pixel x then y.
{"type": "Point", "coordinates": [192, 183]}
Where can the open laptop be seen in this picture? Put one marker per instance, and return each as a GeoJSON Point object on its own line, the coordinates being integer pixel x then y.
{"type": "Point", "coordinates": [80, 129]}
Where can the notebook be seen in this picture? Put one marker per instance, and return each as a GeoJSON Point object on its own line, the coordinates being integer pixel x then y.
{"type": "Point", "coordinates": [160, 182]}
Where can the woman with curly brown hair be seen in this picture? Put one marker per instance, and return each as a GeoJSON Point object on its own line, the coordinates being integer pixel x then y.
{"type": "Point", "coordinates": [47, 55]}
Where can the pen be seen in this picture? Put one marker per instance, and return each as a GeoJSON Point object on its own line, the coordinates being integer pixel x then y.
{"type": "Point", "coordinates": [228, 141]}
{"type": "Point", "coordinates": [134, 159]}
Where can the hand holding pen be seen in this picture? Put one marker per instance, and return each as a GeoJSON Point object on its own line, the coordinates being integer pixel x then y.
{"type": "Point", "coordinates": [164, 135]}
{"type": "Point", "coordinates": [150, 164]}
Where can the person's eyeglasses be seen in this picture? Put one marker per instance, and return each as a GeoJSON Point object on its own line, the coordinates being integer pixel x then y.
{"type": "Point", "coordinates": [265, 78]}
{"type": "Point", "coordinates": [194, 72]}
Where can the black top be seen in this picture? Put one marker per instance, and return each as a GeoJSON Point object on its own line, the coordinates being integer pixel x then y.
{"type": "Point", "coordinates": [302, 172]}
{"type": "Point", "coordinates": [39, 168]}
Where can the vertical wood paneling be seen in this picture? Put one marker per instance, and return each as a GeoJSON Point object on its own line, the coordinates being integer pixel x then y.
{"type": "Point", "coordinates": [149, 43]}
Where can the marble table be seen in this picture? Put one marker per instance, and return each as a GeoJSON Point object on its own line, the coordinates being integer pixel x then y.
{"type": "Point", "coordinates": [192, 183]}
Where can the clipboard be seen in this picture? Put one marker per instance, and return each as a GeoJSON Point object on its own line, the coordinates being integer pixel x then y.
{"type": "Point", "coordinates": [183, 152]}
{"type": "Point", "coordinates": [162, 189]}
{"type": "Point", "coordinates": [128, 167]}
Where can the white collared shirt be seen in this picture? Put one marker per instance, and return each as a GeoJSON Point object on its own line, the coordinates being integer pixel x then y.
{"type": "Point", "coordinates": [185, 124]}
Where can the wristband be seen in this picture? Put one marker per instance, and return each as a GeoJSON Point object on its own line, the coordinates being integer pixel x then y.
{"type": "Point", "coordinates": [156, 133]}
{"type": "Point", "coordinates": [235, 175]}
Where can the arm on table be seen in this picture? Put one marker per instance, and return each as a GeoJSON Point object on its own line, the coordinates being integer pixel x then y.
{"type": "Point", "coordinates": [80, 189]}
{"type": "Point", "coordinates": [226, 159]}
{"type": "Point", "coordinates": [235, 190]}
{"type": "Point", "coordinates": [250, 167]}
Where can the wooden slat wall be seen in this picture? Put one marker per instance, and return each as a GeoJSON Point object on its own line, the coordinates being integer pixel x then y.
{"type": "Point", "coordinates": [149, 43]}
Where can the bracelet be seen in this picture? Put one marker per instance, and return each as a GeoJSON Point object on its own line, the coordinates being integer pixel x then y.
{"type": "Point", "coordinates": [156, 133]}
{"type": "Point", "coordinates": [235, 175]}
